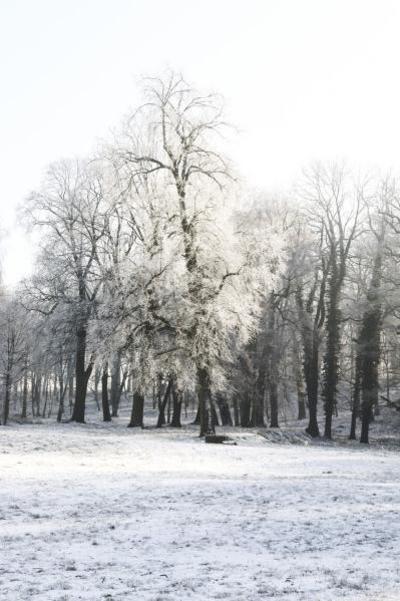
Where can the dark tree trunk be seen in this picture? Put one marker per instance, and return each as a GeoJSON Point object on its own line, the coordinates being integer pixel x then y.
{"type": "Point", "coordinates": [104, 395]}
{"type": "Point", "coordinates": [245, 411]}
{"type": "Point", "coordinates": [273, 399]}
{"type": "Point", "coordinates": [224, 411]}
{"type": "Point", "coordinates": [6, 408]}
{"type": "Point", "coordinates": [137, 411]}
{"type": "Point", "coordinates": [33, 388]}
{"type": "Point", "coordinates": [301, 406]}
{"type": "Point", "coordinates": [70, 385]}
{"type": "Point", "coordinates": [82, 376]}
{"type": "Point", "coordinates": [331, 363]}
{"type": "Point", "coordinates": [311, 369]}
{"type": "Point", "coordinates": [177, 407]}
{"type": "Point", "coordinates": [236, 414]}
{"type": "Point", "coordinates": [258, 406]}
{"type": "Point", "coordinates": [25, 393]}
{"type": "Point", "coordinates": [355, 410]}
{"type": "Point", "coordinates": [160, 396]}
{"type": "Point", "coordinates": [62, 391]}
{"type": "Point", "coordinates": [15, 395]}
{"type": "Point", "coordinates": [311, 322]}
{"type": "Point", "coordinates": [161, 410]}
{"type": "Point", "coordinates": [35, 394]}
{"type": "Point", "coordinates": [60, 405]}
{"type": "Point", "coordinates": [370, 349]}
{"type": "Point", "coordinates": [301, 397]}
{"type": "Point", "coordinates": [78, 414]}
{"type": "Point", "coordinates": [46, 396]}
{"type": "Point", "coordinates": [365, 421]}
{"type": "Point", "coordinates": [115, 383]}
{"type": "Point", "coordinates": [273, 365]}
{"type": "Point", "coordinates": [53, 395]}
{"type": "Point", "coordinates": [169, 405]}
{"type": "Point", "coordinates": [203, 391]}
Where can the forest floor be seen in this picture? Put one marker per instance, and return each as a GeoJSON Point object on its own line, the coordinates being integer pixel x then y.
{"type": "Point", "coordinates": [101, 512]}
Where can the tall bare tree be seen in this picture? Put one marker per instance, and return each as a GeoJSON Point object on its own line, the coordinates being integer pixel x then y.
{"type": "Point", "coordinates": [335, 200]}
{"type": "Point", "coordinates": [172, 138]}
{"type": "Point", "coordinates": [70, 209]}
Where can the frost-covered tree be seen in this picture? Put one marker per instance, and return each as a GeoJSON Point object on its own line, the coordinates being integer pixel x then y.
{"type": "Point", "coordinates": [171, 138]}
{"type": "Point", "coordinates": [71, 213]}
{"type": "Point", "coordinates": [13, 339]}
{"type": "Point", "coordinates": [335, 204]}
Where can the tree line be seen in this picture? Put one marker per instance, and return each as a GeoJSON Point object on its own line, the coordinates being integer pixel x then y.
{"type": "Point", "coordinates": [161, 275]}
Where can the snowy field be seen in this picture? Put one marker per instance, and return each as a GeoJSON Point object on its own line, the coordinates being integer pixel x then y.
{"type": "Point", "coordinates": [93, 512]}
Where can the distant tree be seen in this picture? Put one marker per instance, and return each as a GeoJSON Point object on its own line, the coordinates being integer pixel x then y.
{"type": "Point", "coordinates": [70, 210]}
{"type": "Point", "coordinates": [13, 326]}
{"type": "Point", "coordinates": [335, 204]}
{"type": "Point", "coordinates": [382, 214]}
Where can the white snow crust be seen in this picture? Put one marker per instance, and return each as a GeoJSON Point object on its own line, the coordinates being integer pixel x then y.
{"type": "Point", "coordinates": [99, 512]}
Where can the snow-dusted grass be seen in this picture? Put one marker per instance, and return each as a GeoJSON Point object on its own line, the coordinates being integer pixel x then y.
{"type": "Point", "coordinates": [95, 512]}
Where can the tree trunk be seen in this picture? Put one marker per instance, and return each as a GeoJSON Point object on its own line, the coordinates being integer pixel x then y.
{"type": "Point", "coordinates": [25, 393]}
{"type": "Point", "coordinates": [369, 371]}
{"type": "Point", "coordinates": [33, 388]}
{"type": "Point", "coordinates": [62, 391]}
{"type": "Point", "coordinates": [6, 408]}
{"type": "Point", "coordinates": [370, 349]}
{"type": "Point", "coordinates": [273, 399]}
{"type": "Point", "coordinates": [46, 396]}
{"type": "Point", "coordinates": [301, 397]}
{"type": "Point", "coordinates": [137, 411]}
{"type": "Point", "coordinates": [301, 405]}
{"type": "Point", "coordinates": [169, 409]}
{"type": "Point", "coordinates": [161, 410]}
{"type": "Point", "coordinates": [97, 378]}
{"type": "Point", "coordinates": [236, 414]}
{"type": "Point", "coordinates": [177, 407]}
{"type": "Point", "coordinates": [273, 365]}
{"type": "Point", "coordinates": [203, 391]}
{"type": "Point", "coordinates": [70, 375]}
{"type": "Point", "coordinates": [82, 376]}
{"type": "Point", "coordinates": [36, 395]}
{"type": "Point", "coordinates": [311, 375]}
{"type": "Point", "coordinates": [355, 410]}
{"type": "Point", "coordinates": [15, 397]}
{"type": "Point", "coordinates": [331, 365]}
{"type": "Point", "coordinates": [104, 394]}
{"type": "Point", "coordinates": [258, 406]}
{"type": "Point", "coordinates": [245, 411]}
{"type": "Point", "coordinates": [224, 411]}
{"type": "Point", "coordinates": [115, 383]}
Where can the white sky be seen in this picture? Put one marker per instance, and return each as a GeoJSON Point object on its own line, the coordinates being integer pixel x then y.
{"type": "Point", "coordinates": [303, 79]}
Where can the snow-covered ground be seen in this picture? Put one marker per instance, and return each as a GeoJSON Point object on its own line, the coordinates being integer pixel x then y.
{"type": "Point", "coordinates": [102, 512]}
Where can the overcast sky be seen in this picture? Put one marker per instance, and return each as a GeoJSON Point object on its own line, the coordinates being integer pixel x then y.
{"type": "Point", "coordinates": [303, 79]}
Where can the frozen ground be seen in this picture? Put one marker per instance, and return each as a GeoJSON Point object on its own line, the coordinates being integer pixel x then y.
{"type": "Point", "coordinates": [95, 513]}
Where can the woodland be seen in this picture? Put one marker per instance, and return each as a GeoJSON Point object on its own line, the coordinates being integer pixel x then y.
{"type": "Point", "coordinates": [164, 279]}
